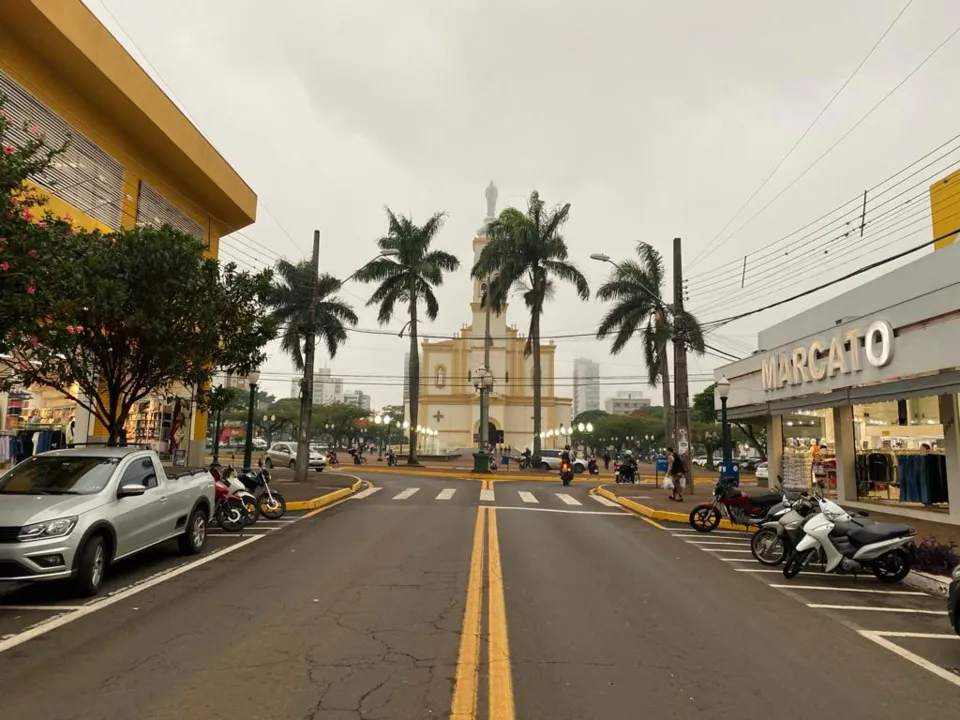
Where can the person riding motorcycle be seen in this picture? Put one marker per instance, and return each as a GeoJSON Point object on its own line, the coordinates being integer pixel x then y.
{"type": "Point", "coordinates": [391, 457]}
{"type": "Point", "coordinates": [628, 467]}
{"type": "Point", "coordinates": [525, 458]}
{"type": "Point", "coordinates": [566, 469]}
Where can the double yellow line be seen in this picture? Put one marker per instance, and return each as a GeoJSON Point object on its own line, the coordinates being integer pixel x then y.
{"type": "Point", "coordinates": [466, 687]}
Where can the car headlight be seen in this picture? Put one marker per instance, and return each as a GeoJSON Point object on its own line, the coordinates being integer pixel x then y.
{"type": "Point", "coordinates": [956, 573]}
{"type": "Point", "coordinates": [49, 529]}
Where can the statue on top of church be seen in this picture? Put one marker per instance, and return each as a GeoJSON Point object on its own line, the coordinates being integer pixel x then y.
{"type": "Point", "coordinates": [491, 194]}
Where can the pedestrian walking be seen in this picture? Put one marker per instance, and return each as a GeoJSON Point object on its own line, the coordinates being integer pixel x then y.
{"type": "Point", "coordinates": [675, 477]}
{"type": "Point", "coordinates": [606, 459]}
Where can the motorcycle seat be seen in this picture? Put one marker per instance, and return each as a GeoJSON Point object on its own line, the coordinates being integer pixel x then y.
{"type": "Point", "coordinates": [766, 500]}
{"type": "Point", "coordinates": [878, 532]}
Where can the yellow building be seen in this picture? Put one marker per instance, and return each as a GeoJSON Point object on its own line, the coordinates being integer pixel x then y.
{"type": "Point", "coordinates": [448, 400]}
{"type": "Point", "coordinates": [134, 158]}
{"type": "Point", "coordinates": [945, 208]}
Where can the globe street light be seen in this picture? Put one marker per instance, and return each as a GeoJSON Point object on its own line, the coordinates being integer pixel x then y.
{"type": "Point", "coordinates": [723, 390]}
{"type": "Point", "coordinates": [253, 377]}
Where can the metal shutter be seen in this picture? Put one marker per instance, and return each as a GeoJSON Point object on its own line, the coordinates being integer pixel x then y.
{"type": "Point", "coordinates": [84, 176]}
{"type": "Point", "coordinates": [154, 209]}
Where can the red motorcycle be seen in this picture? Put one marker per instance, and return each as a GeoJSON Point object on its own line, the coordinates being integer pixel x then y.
{"type": "Point", "coordinates": [566, 473]}
{"type": "Point", "coordinates": [739, 507]}
{"type": "Point", "coordinates": [231, 512]}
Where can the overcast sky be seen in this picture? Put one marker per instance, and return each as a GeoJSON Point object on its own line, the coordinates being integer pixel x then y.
{"type": "Point", "coordinates": [653, 119]}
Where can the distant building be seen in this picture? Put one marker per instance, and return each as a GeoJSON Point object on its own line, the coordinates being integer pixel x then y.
{"type": "Point", "coordinates": [586, 385]}
{"type": "Point", "coordinates": [406, 378]}
{"type": "Point", "coordinates": [326, 388]}
{"type": "Point", "coordinates": [357, 398]}
{"type": "Point", "coordinates": [625, 402]}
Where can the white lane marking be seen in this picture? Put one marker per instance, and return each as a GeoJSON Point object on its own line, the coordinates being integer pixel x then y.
{"type": "Point", "coordinates": [365, 493]}
{"type": "Point", "coordinates": [850, 590]}
{"type": "Point", "coordinates": [571, 512]}
{"type": "Point", "coordinates": [528, 497]}
{"type": "Point", "coordinates": [67, 618]}
{"type": "Point", "coordinates": [446, 494]}
{"type": "Point", "coordinates": [809, 575]}
{"type": "Point", "coordinates": [405, 493]}
{"type": "Point", "coordinates": [749, 559]}
{"type": "Point", "coordinates": [567, 499]}
{"type": "Point", "coordinates": [915, 635]}
{"type": "Point", "coordinates": [880, 639]}
{"type": "Point", "coordinates": [605, 501]}
{"type": "Point", "coordinates": [730, 543]}
{"type": "Point", "coordinates": [487, 495]}
{"type": "Point", "coordinates": [674, 531]}
{"type": "Point", "coordinates": [42, 608]}
{"type": "Point", "coordinates": [875, 609]}
{"type": "Point", "coordinates": [724, 550]}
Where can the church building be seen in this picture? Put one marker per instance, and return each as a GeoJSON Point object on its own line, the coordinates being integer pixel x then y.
{"type": "Point", "coordinates": [449, 402]}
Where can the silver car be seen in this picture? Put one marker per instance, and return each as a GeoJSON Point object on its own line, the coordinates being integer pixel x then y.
{"type": "Point", "coordinates": [284, 454]}
{"type": "Point", "coordinates": [550, 460]}
{"type": "Point", "coordinates": [70, 513]}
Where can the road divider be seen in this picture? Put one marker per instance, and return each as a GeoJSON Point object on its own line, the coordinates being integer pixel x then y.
{"type": "Point", "coordinates": [651, 515]}
{"type": "Point", "coordinates": [328, 499]}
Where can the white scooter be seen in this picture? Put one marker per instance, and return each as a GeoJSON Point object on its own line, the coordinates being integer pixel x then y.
{"type": "Point", "coordinates": [229, 478]}
{"type": "Point", "coordinates": [845, 544]}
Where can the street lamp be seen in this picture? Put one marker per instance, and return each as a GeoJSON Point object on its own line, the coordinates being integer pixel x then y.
{"type": "Point", "coordinates": [723, 390]}
{"type": "Point", "coordinates": [253, 378]}
{"type": "Point", "coordinates": [483, 382]}
{"type": "Point", "coordinates": [217, 430]}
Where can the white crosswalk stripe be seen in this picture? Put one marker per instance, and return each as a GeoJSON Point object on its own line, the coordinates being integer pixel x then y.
{"type": "Point", "coordinates": [446, 494]}
{"type": "Point", "coordinates": [405, 494]}
{"type": "Point", "coordinates": [528, 497]}
{"type": "Point", "coordinates": [604, 501]}
{"type": "Point", "coordinates": [487, 496]}
{"type": "Point", "coordinates": [365, 493]}
{"type": "Point", "coordinates": [568, 499]}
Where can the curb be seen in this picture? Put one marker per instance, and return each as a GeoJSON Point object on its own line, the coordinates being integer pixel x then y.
{"type": "Point", "coordinates": [931, 584]}
{"type": "Point", "coordinates": [324, 500]}
{"type": "Point", "coordinates": [652, 514]}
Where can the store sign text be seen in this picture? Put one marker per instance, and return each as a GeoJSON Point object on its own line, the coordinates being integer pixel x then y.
{"type": "Point", "coordinates": [841, 356]}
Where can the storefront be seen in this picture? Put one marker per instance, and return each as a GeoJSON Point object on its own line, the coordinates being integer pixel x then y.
{"type": "Point", "coordinates": [861, 392]}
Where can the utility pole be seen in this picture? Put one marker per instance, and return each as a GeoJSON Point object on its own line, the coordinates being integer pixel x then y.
{"type": "Point", "coordinates": [485, 395]}
{"type": "Point", "coordinates": [682, 402]}
{"type": "Point", "coordinates": [306, 384]}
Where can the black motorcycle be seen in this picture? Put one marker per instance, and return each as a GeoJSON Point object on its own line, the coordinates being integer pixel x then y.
{"type": "Point", "coordinates": [270, 503]}
{"type": "Point", "coordinates": [592, 466]}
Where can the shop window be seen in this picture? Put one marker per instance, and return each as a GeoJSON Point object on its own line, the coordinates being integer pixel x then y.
{"type": "Point", "coordinates": [84, 176]}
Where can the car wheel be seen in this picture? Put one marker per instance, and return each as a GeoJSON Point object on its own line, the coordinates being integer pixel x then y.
{"type": "Point", "coordinates": [320, 468]}
{"type": "Point", "coordinates": [293, 465]}
{"type": "Point", "coordinates": [545, 467]}
{"type": "Point", "coordinates": [93, 564]}
{"type": "Point", "coordinates": [268, 464]}
{"type": "Point", "coordinates": [195, 535]}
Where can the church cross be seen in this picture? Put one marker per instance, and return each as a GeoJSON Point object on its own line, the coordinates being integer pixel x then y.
{"type": "Point", "coordinates": [438, 417]}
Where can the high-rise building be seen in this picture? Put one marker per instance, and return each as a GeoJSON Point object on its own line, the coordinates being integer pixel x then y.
{"type": "Point", "coordinates": [356, 397]}
{"type": "Point", "coordinates": [327, 389]}
{"type": "Point", "coordinates": [626, 402]}
{"type": "Point", "coordinates": [586, 385]}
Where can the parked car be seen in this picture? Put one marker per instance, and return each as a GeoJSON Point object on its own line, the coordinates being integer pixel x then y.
{"type": "Point", "coordinates": [550, 460]}
{"type": "Point", "coordinates": [762, 471]}
{"type": "Point", "coordinates": [69, 514]}
{"type": "Point", "coordinates": [700, 460]}
{"type": "Point", "coordinates": [284, 454]}
{"type": "Point", "coordinates": [953, 600]}
{"type": "Point", "coordinates": [258, 444]}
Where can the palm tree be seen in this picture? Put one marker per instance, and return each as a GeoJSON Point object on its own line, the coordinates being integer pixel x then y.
{"type": "Point", "coordinates": [291, 309]}
{"type": "Point", "coordinates": [636, 287]}
{"type": "Point", "coordinates": [409, 277]}
{"type": "Point", "coordinates": [525, 253]}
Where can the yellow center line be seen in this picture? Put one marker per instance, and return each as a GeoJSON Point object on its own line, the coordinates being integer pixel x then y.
{"type": "Point", "coordinates": [498, 646]}
{"type": "Point", "coordinates": [466, 682]}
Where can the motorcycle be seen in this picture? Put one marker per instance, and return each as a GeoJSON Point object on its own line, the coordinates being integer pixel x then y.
{"type": "Point", "coordinates": [739, 507]}
{"type": "Point", "coordinates": [776, 538]}
{"type": "Point", "coordinates": [239, 488]}
{"type": "Point", "coordinates": [624, 473]}
{"type": "Point", "coordinates": [391, 459]}
{"type": "Point", "coordinates": [848, 545]}
{"type": "Point", "coordinates": [592, 466]}
{"type": "Point", "coordinates": [270, 503]}
{"type": "Point", "coordinates": [230, 511]}
{"type": "Point", "coordinates": [566, 472]}
{"type": "Point", "coordinates": [358, 458]}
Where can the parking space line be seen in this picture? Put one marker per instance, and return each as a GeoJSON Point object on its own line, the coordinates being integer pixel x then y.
{"type": "Point", "coordinates": [67, 618]}
{"type": "Point", "coordinates": [868, 608]}
{"type": "Point", "coordinates": [851, 590]}
{"type": "Point", "coordinates": [42, 608]}
{"type": "Point", "coordinates": [880, 638]}
{"type": "Point", "coordinates": [916, 635]}
{"type": "Point", "coordinates": [749, 559]}
{"type": "Point", "coordinates": [723, 550]}
{"type": "Point", "coordinates": [730, 543]}
{"type": "Point", "coordinates": [679, 532]}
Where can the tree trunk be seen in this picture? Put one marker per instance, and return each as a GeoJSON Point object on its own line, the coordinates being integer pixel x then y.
{"type": "Point", "coordinates": [414, 373]}
{"type": "Point", "coordinates": [665, 385]}
{"type": "Point", "coordinates": [537, 381]}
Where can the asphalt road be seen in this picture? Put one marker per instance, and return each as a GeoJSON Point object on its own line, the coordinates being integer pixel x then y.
{"type": "Point", "coordinates": [521, 600]}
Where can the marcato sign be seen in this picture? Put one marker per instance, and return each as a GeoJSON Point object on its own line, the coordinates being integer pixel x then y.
{"type": "Point", "coordinates": [845, 353]}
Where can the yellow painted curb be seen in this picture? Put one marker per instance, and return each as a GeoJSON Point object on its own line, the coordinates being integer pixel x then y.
{"type": "Point", "coordinates": [325, 500]}
{"type": "Point", "coordinates": [649, 512]}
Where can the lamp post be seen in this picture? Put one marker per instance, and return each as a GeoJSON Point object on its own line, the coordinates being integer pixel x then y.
{"type": "Point", "coordinates": [723, 390]}
{"type": "Point", "coordinates": [253, 378]}
{"type": "Point", "coordinates": [216, 425]}
{"type": "Point", "coordinates": [379, 421]}
{"type": "Point", "coordinates": [483, 382]}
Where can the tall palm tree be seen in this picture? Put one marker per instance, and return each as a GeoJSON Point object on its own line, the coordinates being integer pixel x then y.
{"type": "Point", "coordinates": [291, 309]}
{"type": "Point", "coordinates": [636, 287]}
{"type": "Point", "coordinates": [526, 253]}
{"type": "Point", "coordinates": [409, 278]}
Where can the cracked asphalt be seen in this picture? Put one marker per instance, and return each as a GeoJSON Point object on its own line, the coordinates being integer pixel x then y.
{"type": "Point", "coordinates": [356, 614]}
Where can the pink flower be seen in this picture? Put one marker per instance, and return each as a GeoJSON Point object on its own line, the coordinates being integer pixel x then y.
{"type": "Point", "coordinates": [32, 253]}
{"type": "Point", "coordinates": [73, 232]}
{"type": "Point", "coordinates": [9, 149]}
{"type": "Point", "coordinates": [71, 329]}
{"type": "Point", "coordinates": [68, 217]}
{"type": "Point", "coordinates": [34, 130]}
{"type": "Point", "coordinates": [34, 340]}
{"type": "Point", "coordinates": [4, 266]}
{"type": "Point", "coordinates": [78, 328]}
{"type": "Point", "coordinates": [42, 224]}
{"type": "Point", "coordinates": [31, 289]}
{"type": "Point", "coordinates": [27, 215]}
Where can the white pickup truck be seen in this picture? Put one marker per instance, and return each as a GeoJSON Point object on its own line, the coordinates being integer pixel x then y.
{"type": "Point", "coordinates": [68, 514]}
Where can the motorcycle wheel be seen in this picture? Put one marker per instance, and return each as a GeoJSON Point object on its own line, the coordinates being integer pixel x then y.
{"type": "Point", "coordinates": [272, 509]}
{"type": "Point", "coordinates": [796, 563]}
{"type": "Point", "coordinates": [704, 518]}
{"type": "Point", "coordinates": [230, 518]}
{"type": "Point", "coordinates": [768, 547]}
{"type": "Point", "coordinates": [253, 510]}
{"type": "Point", "coordinates": [892, 567]}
